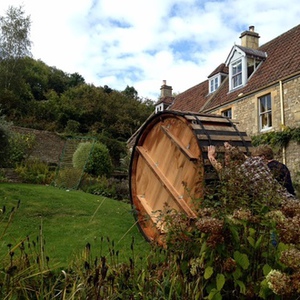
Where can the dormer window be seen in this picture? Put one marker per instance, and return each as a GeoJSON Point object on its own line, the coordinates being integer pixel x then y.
{"type": "Point", "coordinates": [214, 84]}
{"type": "Point", "coordinates": [217, 77]}
{"type": "Point", "coordinates": [242, 63]}
{"type": "Point", "coordinates": [236, 77]}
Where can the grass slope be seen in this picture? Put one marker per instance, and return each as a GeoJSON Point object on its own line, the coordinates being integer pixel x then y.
{"type": "Point", "coordinates": [67, 221]}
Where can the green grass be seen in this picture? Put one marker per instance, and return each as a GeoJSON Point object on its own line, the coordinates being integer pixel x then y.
{"type": "Point", "coordinates": [67, 221]}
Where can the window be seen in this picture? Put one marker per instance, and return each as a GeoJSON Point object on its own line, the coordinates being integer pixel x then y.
{"type": "Point", "coordinates": [236, 78]}
{"type": "Point", "coordinates": [159, 108]}
{"type": "Point", "coordinates": [214, 84]}
{"type": "Point", "coordinates": [265, 112]}
{"type": "Point", "coordinates": [227, 113]}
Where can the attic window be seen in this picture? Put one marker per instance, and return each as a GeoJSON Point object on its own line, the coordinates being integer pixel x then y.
{"type": "Point", "coordinates": [214, 83]}
{"type": "Point", "coordinates": [236, 78]}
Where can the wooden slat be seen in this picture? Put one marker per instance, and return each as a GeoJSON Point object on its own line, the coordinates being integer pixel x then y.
{"type": "Point", "coordinates": [165, 182]}
{"type": "Point", "coordinates": [210, 119]}
{"type": "Point", "coordinates": [224, 138]}
{"type": "Point", "coordinates": [207, 118]}
{"type": "Point", "coordinates": [221, 149]}
{"type": "Point", "coordinates": [212, 127]}
{"type": "Point", "coordinates": [190, 156]}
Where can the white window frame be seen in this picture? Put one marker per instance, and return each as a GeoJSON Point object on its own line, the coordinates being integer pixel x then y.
{"type": "Point", "coordinates": [227, 113]}
{"type": "Point", "coordinates": [265, 112]}
{"type": "Point", "coordinates": [214, 83]}
{"type": "Point", "coordinates": [237, 73]}
{"type": "Point", "coordinates": [159, 108]}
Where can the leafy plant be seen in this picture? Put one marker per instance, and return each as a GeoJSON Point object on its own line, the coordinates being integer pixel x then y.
{"type": "Point", "coordinates": [94, 158]}
{"type": "Point", "coordinates": [34, 171]}
{"type": "Point", "coordinates": [277, 138]}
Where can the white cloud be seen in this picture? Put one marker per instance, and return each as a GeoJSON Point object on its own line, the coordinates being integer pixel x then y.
{"type": "Point", "coordinates": [140, 43]}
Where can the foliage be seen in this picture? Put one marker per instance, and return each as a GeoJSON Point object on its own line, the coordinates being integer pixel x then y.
{"type": "Point", "coordinates": [14, 33]}
{"type": "Point", "coordinates": [93, 158]}
{"type": "Point", "coordinates": [34, 171]}
{"type": "Point", "coordinates": [113, 188]}
{"type": "Point", "coordinates": [20, 146]}
{"type": "Point", "coordinates": [278, 138]}
{"type": "Point", "coordinates": [4, 141]}
{"type": "Point", "coordinates": [98, 186]}
{"type": "Point", "coordinates": [241, 247]}
{"type": "Point", "coordinates": [68, 178]}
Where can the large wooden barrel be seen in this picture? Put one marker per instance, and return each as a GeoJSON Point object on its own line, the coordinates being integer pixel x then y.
{"type": "Point", "coordinates": [169, 166]}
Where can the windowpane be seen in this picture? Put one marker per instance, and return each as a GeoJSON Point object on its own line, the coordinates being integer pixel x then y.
{"type": "Point", "coordinates": [237, 74]}
{"type": "Point", "coordinates": [227, 113]}
{"type": "Point", "coordinates": [213, 84]}
{"type": "Point", "coordinates": [265, 112]}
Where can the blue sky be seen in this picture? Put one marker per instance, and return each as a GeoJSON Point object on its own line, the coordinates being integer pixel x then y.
{"type": "Point", "coordinates": [140, 43]}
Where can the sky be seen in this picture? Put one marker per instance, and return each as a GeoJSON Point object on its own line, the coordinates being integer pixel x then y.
{"type": "Point", "coordinates": [140, 43]}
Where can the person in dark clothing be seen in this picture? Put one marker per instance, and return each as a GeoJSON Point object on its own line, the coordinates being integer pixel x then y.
{"type": "Point", "coordinates": [279, 170]}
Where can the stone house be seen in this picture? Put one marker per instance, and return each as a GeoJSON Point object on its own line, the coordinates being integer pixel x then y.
{"type": "Point", "coordinates": [258, 87]}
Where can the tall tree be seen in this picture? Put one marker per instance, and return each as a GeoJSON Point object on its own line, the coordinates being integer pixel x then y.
{"type": "Point", "coordinates": [14, 42]}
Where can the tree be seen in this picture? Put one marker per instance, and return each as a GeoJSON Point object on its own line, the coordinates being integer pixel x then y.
{"type": "Point", "coordinates": [14, 41]}
{"type": "Point", "coordinates": [130, 92]}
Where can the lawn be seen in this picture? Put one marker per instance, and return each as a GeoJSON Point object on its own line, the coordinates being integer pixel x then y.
{"type": "Point", "coordinates": [66, 221]}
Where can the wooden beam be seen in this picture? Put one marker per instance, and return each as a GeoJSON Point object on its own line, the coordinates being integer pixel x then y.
{"type": "Point", "coordinates": [179, 145]}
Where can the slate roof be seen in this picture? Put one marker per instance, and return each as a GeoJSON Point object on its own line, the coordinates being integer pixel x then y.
{"type": "Point", "coordinates": [283, 60]}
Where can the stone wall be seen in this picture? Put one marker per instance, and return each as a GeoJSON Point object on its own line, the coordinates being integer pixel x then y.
{"type": "Point", "coordinates": [48, 145]}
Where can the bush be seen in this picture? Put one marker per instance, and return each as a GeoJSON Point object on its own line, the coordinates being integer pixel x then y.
{"type": "Point", "coordinates": [72, 127]}
{"type": "Point", "coordinates": [112, 188]}
{"type": "Point", "coordinates": [4, 149]}
{"type": "Point", "coordinates": [20, 146]}
{"type": "Point", "coordinates": [68, 178]}
{"type": "Point", "coordinates": [94, 158]}
{"type": "Point", "coordinates": [34, 171]}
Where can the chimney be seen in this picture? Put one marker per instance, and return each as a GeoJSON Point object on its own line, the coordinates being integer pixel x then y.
{"type": "Point", "coordinates": [250, 39]}
{"type": "Point", "coordinates": [165, 90]}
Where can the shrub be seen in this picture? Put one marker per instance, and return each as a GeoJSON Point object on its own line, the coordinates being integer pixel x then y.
{"type": "Point", "coordinates": [72, 126]}
{"type": "Point", "coordinates": [4, 149]}
{"type": "Point", "coordinates": [117, 189]}
{"type": "Point", "coordinates": [20, 146]}
{"type": "Point", "coordinates": [94, 158]}
{"type": "Point", "coordinates": [34, 171]}
{"type": "Point", "coordinates": [68, 178]}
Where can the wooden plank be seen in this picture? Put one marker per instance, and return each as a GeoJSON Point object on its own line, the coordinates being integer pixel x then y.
{"type": "Point", "coordinates": [224, 138]}
{"type": "Point", "coordinates": [206, 118]}
{"type": "Point", "coordinates": [190, 156]}
{"type": "Point", "coordinates": [165, 182]}
{"type": "Point", "coordinates": [209, 127]}
{"type": "Point", "coordinates": [221, 149]}
{"type": "Point", "coordinates": [212, 119]}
